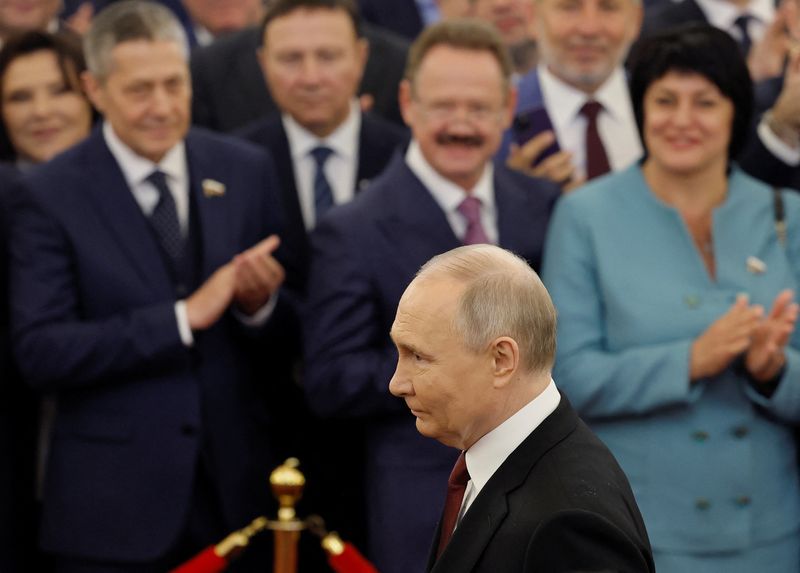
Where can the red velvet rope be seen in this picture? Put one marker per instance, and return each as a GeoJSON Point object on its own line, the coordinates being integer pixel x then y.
{"type": "Point", "coordinates": [350, 561]}
{"type": "Point", "coordinates": [206, 561]}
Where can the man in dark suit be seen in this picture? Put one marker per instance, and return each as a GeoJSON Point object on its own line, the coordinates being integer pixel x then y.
{"type": "Point", "coordinates": [533, 488]}
{"type": "Point", "coordinates": [313, 60]}
{"type": "Point", "coordinates": [575, 119]}
{"type": "Point", "coordinates": [442, 192]}
{"type": "Point", "coordinates": [229, 89]}
{"type": "Point", "coordinates": [134, 284]}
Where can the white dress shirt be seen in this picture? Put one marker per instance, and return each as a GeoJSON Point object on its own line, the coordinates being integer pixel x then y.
{"type": "Point", "coordinates": [449, 195]}
{"type": "Point", "coordinates": [488, 454]}
{"type": "Point", "coordinates": [340, 168]}
{"type": "Point", "coordinates": [616, 123]}
{"type": "Point", "coordinates": [722, 14]}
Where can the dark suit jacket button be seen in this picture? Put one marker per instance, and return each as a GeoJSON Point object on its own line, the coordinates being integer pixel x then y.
{"type": "Point", "coordinates": [189, 430]}
{"type": "Point", "coordinates": [741, 431]}
{"type": "Point", "coordinates": [743, 500]}
{"type": "Point", "coordinates": [702, 503]}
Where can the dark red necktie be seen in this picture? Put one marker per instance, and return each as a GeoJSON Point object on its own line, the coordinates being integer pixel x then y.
{"type": "Point", "coordinates": [456, 486]}
{"type": "Point", "coordinates": [596, 158]}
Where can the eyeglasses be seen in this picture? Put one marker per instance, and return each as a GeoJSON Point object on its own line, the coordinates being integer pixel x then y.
{"type": "Point", "coordinates": [449, 110]}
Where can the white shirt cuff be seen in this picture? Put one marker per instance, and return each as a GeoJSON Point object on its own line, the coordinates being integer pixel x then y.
{"type": "Point", "coordinates": [183, 324]}
{"type": "Point", "coordinates": [260, 316]}
{"type": "Point", "coordinates": [776, 146]}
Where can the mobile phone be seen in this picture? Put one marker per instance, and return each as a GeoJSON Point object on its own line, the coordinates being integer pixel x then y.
{"type": "Point", "coordinates": [530, 123]}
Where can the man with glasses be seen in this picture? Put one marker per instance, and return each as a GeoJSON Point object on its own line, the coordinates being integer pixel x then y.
{"type": "Point", "coordinates": [443, 192]}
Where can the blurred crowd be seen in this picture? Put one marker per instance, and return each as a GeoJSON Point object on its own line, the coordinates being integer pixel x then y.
{"type": "Point", "coordinates": [209, 210]}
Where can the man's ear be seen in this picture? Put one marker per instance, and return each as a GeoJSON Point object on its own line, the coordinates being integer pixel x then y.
{"type": "Point", "coordinates": [404, 97]}
{"type": "Point", "coordinates": [505, 358]}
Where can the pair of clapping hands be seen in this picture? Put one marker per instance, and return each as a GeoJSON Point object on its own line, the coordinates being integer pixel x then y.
{"type": "Point", "coordinates": [745, 331]}
{"type": "Point", "coordinates": [248, 280]}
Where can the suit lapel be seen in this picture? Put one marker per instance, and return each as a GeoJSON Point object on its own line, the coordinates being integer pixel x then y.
{"type": "Point", "coordinates": [213, 213]}
{"type": "Point", "coordinates": [122, 214]}
{"type": "Point", "coordinates": [490, 508]}
{"type": "Point", "coordinates": [412, 220]}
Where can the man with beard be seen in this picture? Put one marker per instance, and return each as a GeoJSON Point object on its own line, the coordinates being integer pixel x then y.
{"type": "Point", "coordinates": [576, 103]}
{"type": "Point", "coordinates": [443, 192]}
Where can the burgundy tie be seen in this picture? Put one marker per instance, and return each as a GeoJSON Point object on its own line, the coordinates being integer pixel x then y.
{"type": "Point", "coordinates": [456, 486]}
{"type": "Point", "coordinates": [596, 158]}
{"type": "Point", "coordinates": [470, 208]}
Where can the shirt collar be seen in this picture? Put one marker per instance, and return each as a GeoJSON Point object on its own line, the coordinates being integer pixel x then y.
{"type": "Point", "coordinates": [136, 168]}
{"type": "Point", "coordinates": [343, 141]}
{"type": "Point", "coordinates": [448, 194]}
{"type": "Point", "coordinates": [721, 13]}
{"type": "Point", "coordinates": [488, 454]}
{"type": "Point", "coordinates": [612, 94]}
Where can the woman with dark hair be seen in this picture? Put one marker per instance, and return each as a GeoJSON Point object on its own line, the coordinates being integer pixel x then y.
{"type": "Point", "coordinates": [674, 284]}
{"type": "Point", "coordinates": [43, 110]}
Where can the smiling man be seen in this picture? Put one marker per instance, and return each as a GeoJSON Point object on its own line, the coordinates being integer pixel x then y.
{"type": "Point", "coordinates": [134, 282]}
{"type": "Point", "coordinates": [443, 192]}
{"type": "Point", "coordinates": [533, 489]}
{"type": "Point", "coordinates": [579, 92]}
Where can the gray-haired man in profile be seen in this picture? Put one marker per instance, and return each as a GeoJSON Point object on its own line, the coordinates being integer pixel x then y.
{"type": "Point", "coordinates": [533, 489]}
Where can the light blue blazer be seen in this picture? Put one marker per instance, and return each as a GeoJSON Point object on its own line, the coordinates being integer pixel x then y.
{"type": "Point", "coordinates": [713, 465]}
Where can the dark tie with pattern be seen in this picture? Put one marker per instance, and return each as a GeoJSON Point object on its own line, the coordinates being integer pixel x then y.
{"type": "Point", "coordinates": [745, 41]}
{"type": "Point", "coordinates": [456, 486]}
{"type": "Point", "coordinates": [470, 208]}
{"type": "Point", "coordinates": [164, 220]}
{"type": "Point", "coordinates": [323, 196]}
{"type": "Point", "coordinates": [596, 158]}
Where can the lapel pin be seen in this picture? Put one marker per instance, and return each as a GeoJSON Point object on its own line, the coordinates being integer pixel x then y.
{"type": "Point", "coordinates": [213, 188]}
{"type": "Point", "coordinates": [756, 266]}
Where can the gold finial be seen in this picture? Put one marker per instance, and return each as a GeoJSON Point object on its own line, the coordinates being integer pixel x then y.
{"type": "Point", "coordinates": [287, 485]}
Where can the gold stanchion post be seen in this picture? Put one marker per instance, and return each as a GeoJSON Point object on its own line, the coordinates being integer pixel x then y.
{"type": "Point", "coordinates": [287, 486]}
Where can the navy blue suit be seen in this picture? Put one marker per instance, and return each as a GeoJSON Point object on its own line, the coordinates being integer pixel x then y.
{"type": "Point", "coordinates": [377, 141]}
{"type": "Point", "coordinates": [93, 320]}
{"type": "Point", "coordinates": [364, 255]}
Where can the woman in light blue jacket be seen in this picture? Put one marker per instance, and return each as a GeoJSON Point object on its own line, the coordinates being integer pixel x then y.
{"type": "Point", "coordinates": [677, 340]}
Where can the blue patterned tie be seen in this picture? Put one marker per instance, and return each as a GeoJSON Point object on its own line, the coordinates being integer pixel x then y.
{"type": "Point", "coordinates": [164, 220]}
{"type": "Point", "coordinates": [323, 197]}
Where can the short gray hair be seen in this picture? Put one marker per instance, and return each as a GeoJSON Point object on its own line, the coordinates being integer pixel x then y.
{"type": "Point", "coordinates": [128, 21]}
{"type": "Point", "coordinates": [503, 296]}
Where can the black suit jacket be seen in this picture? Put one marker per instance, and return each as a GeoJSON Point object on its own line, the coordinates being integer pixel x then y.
{"type": "Point", "coordinates": [400, 16]}
{"type": "Point", "coordinates": [671, 14]}
{"type": "Point", "coordinates": [558, 503]}
{"type": "Point", "coordinates": [18, 423]}
{"type": "Point", "coordinates": [229, 90]}
{"type": "Point", "coordinates": [378, 139]}
{"type": "Point", "coordinates": [755, 158]}
{"type": "Point", "coordinates": [335, 475]}
{"type": "Point", "coordinates": [93, 315]}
